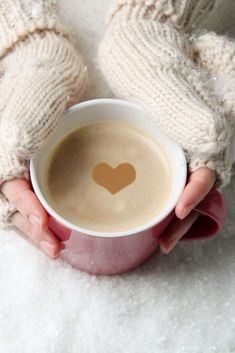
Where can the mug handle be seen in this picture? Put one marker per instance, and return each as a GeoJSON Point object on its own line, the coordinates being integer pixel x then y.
{"type": "Point", "coordinates": [213, 215]}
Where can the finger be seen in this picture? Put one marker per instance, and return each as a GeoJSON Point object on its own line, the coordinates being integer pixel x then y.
{"type": "Point", "coordinates": [45, 239]}
{"type": "Point", "coordinates": [200, 183]}
{"type": "Point", "coordinates": [19, 193]}
{"type": "Point", "coordinates": [175, 231]}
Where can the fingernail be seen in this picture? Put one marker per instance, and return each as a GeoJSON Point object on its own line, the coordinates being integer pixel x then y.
{"type": "Point", "coordinates": [185, 212]}
{"type": "Point", "coordinates": [165, 249]}
{"type": "Point", "coordinates": [35, 220]}
{"type": "Point", "coordinates": [48, 248]}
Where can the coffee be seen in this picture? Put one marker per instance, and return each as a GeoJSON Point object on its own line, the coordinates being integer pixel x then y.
{"type": "Point", "coordinates": [109, 177]}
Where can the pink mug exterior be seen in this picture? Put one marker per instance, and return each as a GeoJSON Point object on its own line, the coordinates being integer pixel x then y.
{"type": "Point", "coordinates": [109, 256]}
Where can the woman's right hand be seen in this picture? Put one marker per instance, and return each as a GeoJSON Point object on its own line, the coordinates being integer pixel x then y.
{"type": "Point", "coordinates": [37, 97]}
{"type": "Point", "coordinates": [41, 75]}
{"type": "Point", "coordinates": [30, 218]}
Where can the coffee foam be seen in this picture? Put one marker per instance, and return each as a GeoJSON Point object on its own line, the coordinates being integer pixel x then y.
{"type": "Point", "coordinates": [78, 198]}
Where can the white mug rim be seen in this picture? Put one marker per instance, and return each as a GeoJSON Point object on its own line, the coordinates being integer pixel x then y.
{"type": "Point", "coordinates": [163, 215]}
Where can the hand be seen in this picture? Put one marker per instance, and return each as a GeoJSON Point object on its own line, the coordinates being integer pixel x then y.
{"type": "Point", "coordinates": [199, 185]}
{"type": "Point", "coordinates": [157, 71]}
{"type": "Point", "coordinates": [31, 218]}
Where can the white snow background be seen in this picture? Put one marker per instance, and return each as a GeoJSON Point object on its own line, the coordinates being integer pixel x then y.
{"type": "Point", "coordinates": [180, 303]}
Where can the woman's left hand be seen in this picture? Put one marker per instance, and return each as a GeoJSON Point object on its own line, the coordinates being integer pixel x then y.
{"type": "Point", "coordinates": [199, 185]}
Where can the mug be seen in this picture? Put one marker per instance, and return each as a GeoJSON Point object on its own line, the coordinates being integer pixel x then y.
{"type": "Point", "coordinates": [104, 253]}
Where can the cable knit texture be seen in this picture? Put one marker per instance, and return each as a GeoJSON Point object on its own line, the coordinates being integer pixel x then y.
{"type": "Point", "coordinates": [41, 74]}
{"type": "Point", "coordinates": [183, 14]}
{"type": "Point", "coordinates": [150, 62]}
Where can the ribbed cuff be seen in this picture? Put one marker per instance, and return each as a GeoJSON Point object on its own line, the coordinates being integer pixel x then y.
{"type": "Point", "coordinates": [6, 211]}
{"type": "Point", "coordinates": [20, 18]}
{"type": "Point", "coordinates": [181, 13]}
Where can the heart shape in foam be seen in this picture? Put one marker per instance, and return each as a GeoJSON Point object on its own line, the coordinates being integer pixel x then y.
{"type": "Point", "coordinates": [114, 179]}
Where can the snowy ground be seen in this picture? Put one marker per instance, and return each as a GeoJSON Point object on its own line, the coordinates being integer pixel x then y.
{"type": "Point", "coordinates": [182, 303]}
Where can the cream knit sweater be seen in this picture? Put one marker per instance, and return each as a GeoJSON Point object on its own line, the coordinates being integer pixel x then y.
{"type": "Point", "coordinates": [41, 74]}
{"type": "Point", "coordinates": [147, 57]}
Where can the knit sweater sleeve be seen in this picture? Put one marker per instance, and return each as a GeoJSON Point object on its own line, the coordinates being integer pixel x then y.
{"type": "Point", "coordinates": [41, 74]}
{"type": "Point", "coordinates": [148, 60]}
